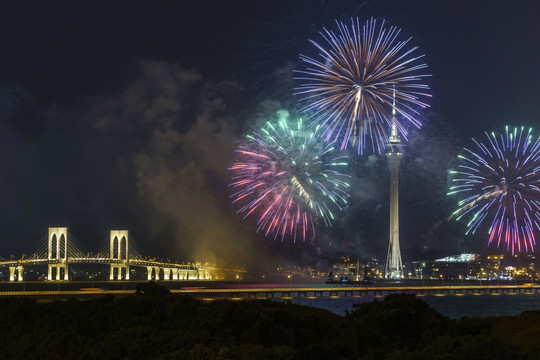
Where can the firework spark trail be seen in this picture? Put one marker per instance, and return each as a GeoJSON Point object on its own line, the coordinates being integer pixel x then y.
{"type": "Point", "coordinates": [289, 178]}
{"type": "Point", "coordinates": [463, 210]}
{"type": "Point", "coordinates": [500, 181]}
{"type": "Point", "coordinates": [350, 88]}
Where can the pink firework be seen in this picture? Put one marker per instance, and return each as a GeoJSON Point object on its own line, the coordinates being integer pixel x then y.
{"type": "Point", "coordinates": [289, 180]}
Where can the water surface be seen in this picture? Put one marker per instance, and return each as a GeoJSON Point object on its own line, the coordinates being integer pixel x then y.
{"type": "Point", "coordinates": [453, 306]}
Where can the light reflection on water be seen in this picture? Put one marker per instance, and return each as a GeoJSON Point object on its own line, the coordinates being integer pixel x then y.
{"type": "Point", "coordinates": [449, 305]}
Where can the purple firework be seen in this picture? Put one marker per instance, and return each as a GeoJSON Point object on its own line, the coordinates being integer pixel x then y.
{"type": "Point", "coordinates": [499, 182]}
{"type": "Point", "coordinates": [352, 85]}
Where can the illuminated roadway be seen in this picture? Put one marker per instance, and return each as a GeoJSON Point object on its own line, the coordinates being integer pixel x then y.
{"type": "Point", "coordinates": [233, 292]}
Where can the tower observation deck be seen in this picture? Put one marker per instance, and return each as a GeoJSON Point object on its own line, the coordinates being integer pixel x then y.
{"type": "Point", "coordinates": [394, 267]}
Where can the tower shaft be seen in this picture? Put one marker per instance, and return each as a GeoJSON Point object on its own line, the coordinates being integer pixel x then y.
{"type": "Point", "coordinates": [394, 267]}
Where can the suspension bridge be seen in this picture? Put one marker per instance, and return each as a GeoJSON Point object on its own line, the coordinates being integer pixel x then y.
{"type": "Point", "coordinates": [61, 251]}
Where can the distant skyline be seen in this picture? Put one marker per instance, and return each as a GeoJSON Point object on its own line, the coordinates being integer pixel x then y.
{"type": "Point", "coordinates": [125, 116]}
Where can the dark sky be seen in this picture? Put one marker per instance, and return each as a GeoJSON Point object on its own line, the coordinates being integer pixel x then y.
{"type": "Point", "coordinates": [126, 115]}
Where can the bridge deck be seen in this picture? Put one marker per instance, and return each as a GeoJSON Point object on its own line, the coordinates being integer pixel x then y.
{"type": "Point", "coordinates": [74, 260]}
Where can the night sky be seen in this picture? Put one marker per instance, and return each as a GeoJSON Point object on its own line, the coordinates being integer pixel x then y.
{"type": "Point", "coordinates": [126, 116]}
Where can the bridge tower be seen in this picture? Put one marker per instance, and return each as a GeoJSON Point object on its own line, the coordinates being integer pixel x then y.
{"type": "Point", "coordinates": [119, 254]}
{"type": "Point", "coordinates": [20, 271]}
{"type": "Point", "coordinates": [58, 252]}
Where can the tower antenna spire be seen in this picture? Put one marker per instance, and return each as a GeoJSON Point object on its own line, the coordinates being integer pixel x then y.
{"type": "Point", "coordinates": [394, 137]}
{"type": "Point", "coordinates": [393, 102]}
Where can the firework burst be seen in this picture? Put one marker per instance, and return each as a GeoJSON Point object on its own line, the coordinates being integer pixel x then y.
{"type": "Point", "coordinates": [289, 179]}
{"type": "Point", "coordinates": [499, 182]}
{"type": "Point", "coordinates": [350, 88]}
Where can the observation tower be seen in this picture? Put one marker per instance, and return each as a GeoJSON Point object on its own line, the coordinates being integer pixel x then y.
{"type": "Point", "coordinates": [394, 266]}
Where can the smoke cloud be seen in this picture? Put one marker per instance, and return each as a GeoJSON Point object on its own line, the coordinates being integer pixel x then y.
{"type": "Point", "coordinates": [172, 134]}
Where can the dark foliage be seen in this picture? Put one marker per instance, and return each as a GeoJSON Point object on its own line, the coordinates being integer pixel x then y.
{"type": "Point", "coordinates": [163, 326]}
{"type": "Point", "coordinates": [151, 288]}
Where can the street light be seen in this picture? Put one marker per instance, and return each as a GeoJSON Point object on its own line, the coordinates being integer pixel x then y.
{"type": "Point", "coordinates": [290, 281]}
